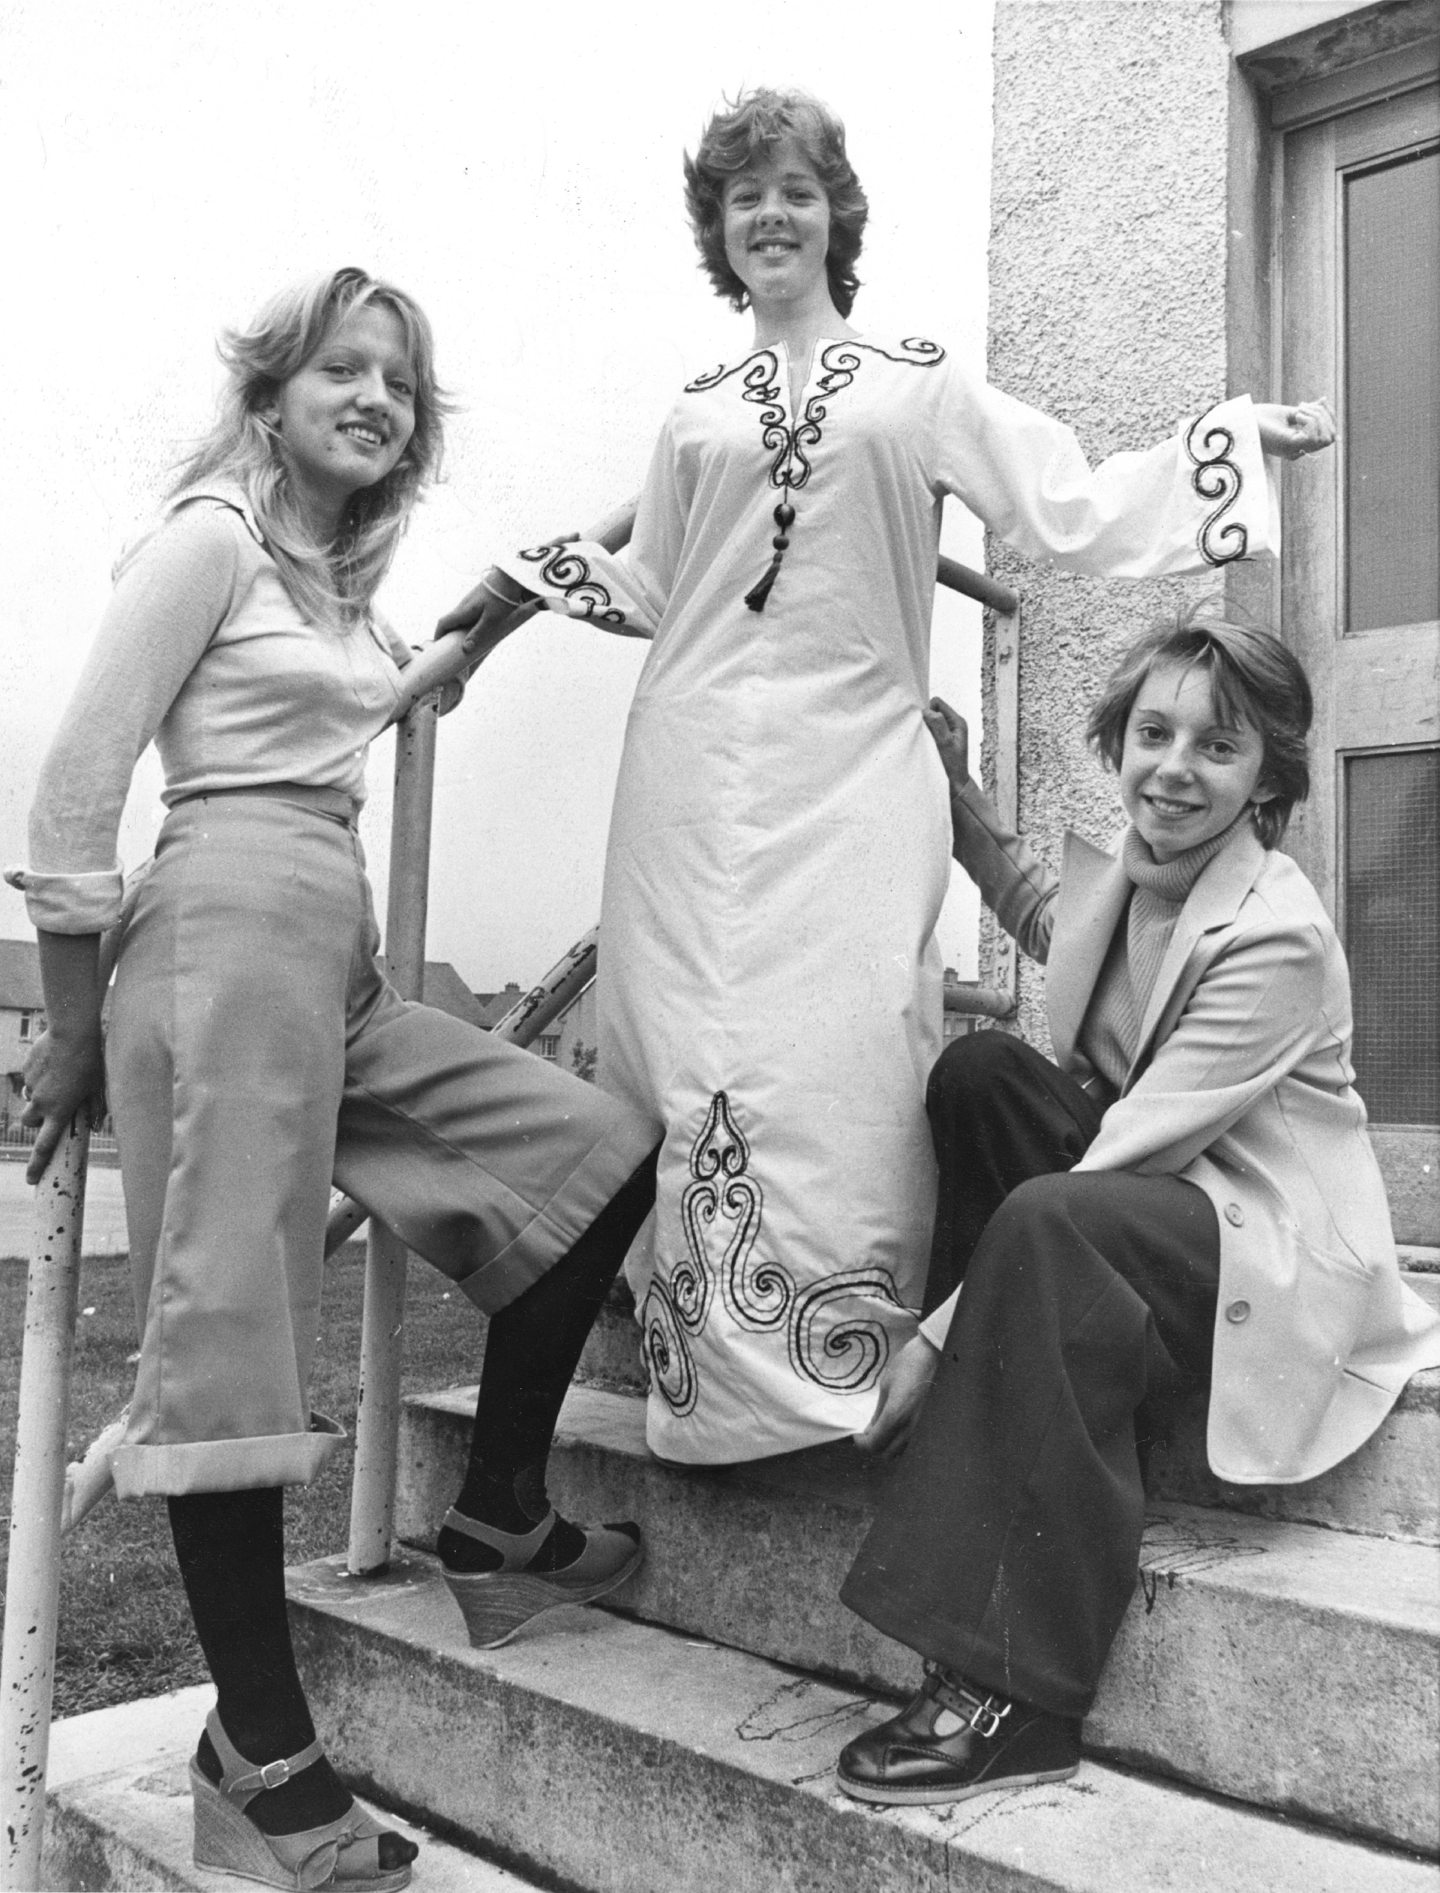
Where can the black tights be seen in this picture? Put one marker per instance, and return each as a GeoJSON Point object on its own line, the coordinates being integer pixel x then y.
{"type": "Point", "coordinates": [231, 1549]}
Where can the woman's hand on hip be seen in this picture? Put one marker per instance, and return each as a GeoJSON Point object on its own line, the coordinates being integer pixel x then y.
{"type": "Point", "coordinates": [61, 1075]}
{"type": "Point", "coordinates": [952, 739]}
{"type": "Point", "coordinates": [904, 1384]}
{"type": "Point", "coordinates": [1291, 432]}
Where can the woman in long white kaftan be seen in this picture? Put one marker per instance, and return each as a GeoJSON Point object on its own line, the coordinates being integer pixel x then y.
{"type": "Point", "coordinates": [780, 842]}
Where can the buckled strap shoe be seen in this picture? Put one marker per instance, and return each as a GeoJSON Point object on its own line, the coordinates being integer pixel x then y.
{"type": "Point", "coordinates": [954, 1740]}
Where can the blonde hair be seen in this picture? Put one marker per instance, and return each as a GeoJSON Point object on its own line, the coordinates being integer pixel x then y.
{"type": "Point", "coordinates": [335, 581]}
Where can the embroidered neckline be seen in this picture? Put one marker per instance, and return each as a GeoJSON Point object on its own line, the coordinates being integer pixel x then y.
{"type": "Point", "coordinates": [791, 442]}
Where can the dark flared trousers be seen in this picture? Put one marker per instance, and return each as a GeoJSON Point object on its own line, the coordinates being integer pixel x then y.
{"type": "Point", "coordinates": [1007, 1544]}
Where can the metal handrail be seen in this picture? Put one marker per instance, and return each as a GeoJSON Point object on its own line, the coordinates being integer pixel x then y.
{"type": "Point", "coordinates": [32, 1586]}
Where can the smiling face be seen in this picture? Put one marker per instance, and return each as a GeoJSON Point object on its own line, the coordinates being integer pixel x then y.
{"type": "Point", "coordinates": [345, 417]}
{"type": "Point", "coordinates": [1184, 774]}
{"type": "Point", "coordinates": [777, 226]}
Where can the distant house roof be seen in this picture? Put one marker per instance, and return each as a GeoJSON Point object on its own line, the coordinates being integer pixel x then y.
{"type": "Point", "coordinates": [443, 988]}
{"type": "Point", "coordinates": [494, 1006]}
{"type": "Point", "coordinates": [20, 989]}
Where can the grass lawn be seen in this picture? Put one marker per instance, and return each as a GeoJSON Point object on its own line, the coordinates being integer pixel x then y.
{"type": "Point", "coordinates": [124, 1629]}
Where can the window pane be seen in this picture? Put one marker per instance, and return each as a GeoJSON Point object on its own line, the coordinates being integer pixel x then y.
{"type": "Point", "coordinates": [1392, 927]}
{"type": "Point", "coordinates": [1392, 381]}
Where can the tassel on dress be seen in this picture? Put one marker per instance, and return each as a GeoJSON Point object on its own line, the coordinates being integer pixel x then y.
{"type": "Point", "coordinates": [760, 591]}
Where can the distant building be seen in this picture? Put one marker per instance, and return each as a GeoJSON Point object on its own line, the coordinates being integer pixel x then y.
{"type": "Point", "coordinates": [443, 988]}
{"type": "Point", "coordinates": [568, 1039]}
{"type": "Point", "coordinates": [22, 1019]}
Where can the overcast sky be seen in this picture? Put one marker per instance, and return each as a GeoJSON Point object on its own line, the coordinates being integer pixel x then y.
{"type": "Point", "coordinates": [169, 163]}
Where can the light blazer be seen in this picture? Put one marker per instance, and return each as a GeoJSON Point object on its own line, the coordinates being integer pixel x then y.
{"type": "Point", "coordinates": [1241, 1083]}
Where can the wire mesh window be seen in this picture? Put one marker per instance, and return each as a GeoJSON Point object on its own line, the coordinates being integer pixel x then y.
{"type": "Point", "coordinates": [1392, 382]}
{"type": "Point", "coordinates": [1392, 928]}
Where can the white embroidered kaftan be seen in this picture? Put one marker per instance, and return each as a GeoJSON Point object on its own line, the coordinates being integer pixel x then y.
{"type": "Point", "coordinates": [770, 990]}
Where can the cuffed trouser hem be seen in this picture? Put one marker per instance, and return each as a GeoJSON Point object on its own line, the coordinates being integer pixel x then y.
{"type": "Point", "coordinates": [224, 1465]}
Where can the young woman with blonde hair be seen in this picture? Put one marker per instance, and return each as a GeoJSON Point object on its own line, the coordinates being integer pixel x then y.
{"type": "Point", "coordinates": [255, 1052]}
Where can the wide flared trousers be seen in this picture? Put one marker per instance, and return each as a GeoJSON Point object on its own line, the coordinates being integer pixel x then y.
{"type": "Point", "coordinates": [1007, 1544]}
{"type": "Point", "coordinates": [255, 1053]}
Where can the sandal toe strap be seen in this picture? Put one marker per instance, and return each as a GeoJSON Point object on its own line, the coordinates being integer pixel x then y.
{"type": "Point", "coordinates": [316, 1856]}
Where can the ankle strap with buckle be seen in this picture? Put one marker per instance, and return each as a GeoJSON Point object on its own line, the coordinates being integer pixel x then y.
{"type": "Point", "coordinates": [983, 1713]}
{"type": "Point", "coordinates": [242, 1780]}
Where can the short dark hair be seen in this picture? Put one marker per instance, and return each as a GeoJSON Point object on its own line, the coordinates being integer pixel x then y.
{"type": "Point", "coordinates": [756, 122]}
{"type": "Point", "coordinates": [1254, 678]}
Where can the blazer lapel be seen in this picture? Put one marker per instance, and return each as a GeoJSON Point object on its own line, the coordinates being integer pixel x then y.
{"type": "Point", "coordinates": [1214, 901]}
{"type": "Point", "coordinates": [1093, 891]}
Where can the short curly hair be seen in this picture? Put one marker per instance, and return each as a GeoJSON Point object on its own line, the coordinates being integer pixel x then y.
{"type": "Point", "coordinates": [1254, 678]}
{"type": "Point", "coordinates": [755, 123]}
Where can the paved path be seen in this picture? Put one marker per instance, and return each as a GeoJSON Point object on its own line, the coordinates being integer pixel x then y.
{"type": "Point", "coordinates": [104, 1212]}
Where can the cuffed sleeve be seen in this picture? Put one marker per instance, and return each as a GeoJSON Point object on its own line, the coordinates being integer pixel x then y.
{"type": "Point", "coordinates": [70, 903]}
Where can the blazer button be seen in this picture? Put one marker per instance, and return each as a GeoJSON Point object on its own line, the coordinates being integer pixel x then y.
{"type": "Point", "coordinates": [1238, 1311]}
{"type": "Point", "coordinates": [1234, 1214]}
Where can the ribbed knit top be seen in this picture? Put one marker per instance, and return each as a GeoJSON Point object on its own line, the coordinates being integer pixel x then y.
{"type": "Point", "coordinates": [1109, 1036]}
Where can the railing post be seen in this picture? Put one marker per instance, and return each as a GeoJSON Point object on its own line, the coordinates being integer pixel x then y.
{"type": "Point", "coordinates": [377, 1422]}
{"type": "Point", "coordinates": [1004, 955]}
{"type": "Point", "coordinates": [32, 1592]}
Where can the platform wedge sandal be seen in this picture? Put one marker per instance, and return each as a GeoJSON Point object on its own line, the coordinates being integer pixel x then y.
{"type": "Point", "coordinates": [495, 1604]}
{"type": "Point", "coordinates": [342, 1856]}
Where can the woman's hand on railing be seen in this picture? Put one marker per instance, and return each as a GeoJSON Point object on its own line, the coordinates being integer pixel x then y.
{"type": "Point", "coordinates": [904, 1384]}
{"type": "Point", "coordinates": [1291, 432]}
{"type": "Point", "coordinates": [61, 1075]}
{"type": "Point", "coordinates": [485, 616]}
{"type": "Point", "coordinates": [487, 613]}
{"type": "Point", "coordinates": [952, 738]}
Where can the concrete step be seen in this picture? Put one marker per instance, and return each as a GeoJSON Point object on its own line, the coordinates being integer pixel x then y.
{"type": "Point", "coordinates": [1390, 1487]}
{"type": "Point", "coordinates": [616, 1757]}
{"type": "Point", "coordinates": [119, 1808]}
{"type": "Point", "coordinates": [1282, 1664]}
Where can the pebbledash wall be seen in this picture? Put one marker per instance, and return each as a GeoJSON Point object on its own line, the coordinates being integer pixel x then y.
{"type": "Point", "coordinates": [1130, 287]}
{"type": "Point", "coordinates": [1108, 274]}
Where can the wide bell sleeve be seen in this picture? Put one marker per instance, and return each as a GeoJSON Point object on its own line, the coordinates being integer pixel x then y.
{"type": "Point", "coordinates": [168, 601]}
{"type": "Point", "coordinates": [628, 594]}
{"type": "Point", "coordinates": [1201, 499]}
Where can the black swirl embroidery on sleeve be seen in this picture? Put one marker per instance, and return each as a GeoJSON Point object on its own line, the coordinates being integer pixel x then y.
{"type": "Point", "coordinates": [570, 572]}
{"type": "Point", "coordinates": [1217, 477]}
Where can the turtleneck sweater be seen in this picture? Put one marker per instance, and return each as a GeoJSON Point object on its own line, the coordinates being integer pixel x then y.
{"type": "Point", "coordinates": [1110, 1034]}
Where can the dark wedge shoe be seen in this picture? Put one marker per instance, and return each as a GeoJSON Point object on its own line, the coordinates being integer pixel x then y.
{"type": "Point", "coordinates": [998, 1743]}
{"type": "Point", "coordinates": [495, 1604]}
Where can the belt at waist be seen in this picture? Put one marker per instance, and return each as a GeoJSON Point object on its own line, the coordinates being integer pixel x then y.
{"type": "Point", "coordinates": [336, 803]}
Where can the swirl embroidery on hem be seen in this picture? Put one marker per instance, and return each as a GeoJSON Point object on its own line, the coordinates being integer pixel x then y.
{"type": "Point", "coordinates": [570, 572]}
{"type": "Point", "coordinates": [839, 1351]}
{"type": "Point", "coordinates": [843, 1354]}
{"type": "Point", "coordinates": [1217, 477]}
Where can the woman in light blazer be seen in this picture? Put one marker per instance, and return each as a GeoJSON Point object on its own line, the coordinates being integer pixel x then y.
{"type": "Point", "coordinates": [1186, 1194]}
